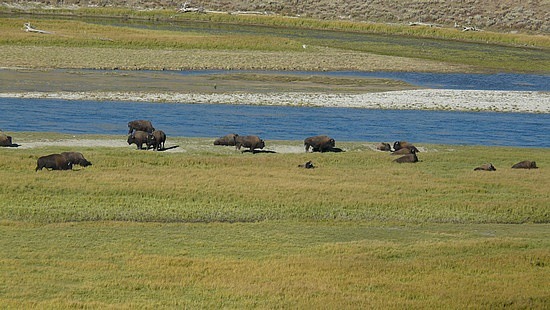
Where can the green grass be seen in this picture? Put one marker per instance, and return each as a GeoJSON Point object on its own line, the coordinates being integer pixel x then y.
{"type": "Point", "coordinates": [215, 228]}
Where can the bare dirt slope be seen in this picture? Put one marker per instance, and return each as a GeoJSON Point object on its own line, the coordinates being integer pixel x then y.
{"type": "Point", "coordinates": [496, 15]}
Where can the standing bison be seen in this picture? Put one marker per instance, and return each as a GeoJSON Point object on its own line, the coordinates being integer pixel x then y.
{"type": "Point", "coordinates": [251, 142]}
{"type": "Point", "coordinates": [53, 162]}
{"type": "Point", "coordinates": [226, 140]}
{"type": "Point", "coordinates": [140, 125]}
{"type": "Point", "coordinates": [526, 164]}
{"type": "Point", "coordinates": [319, 143]}
{"type": "Point", "coordinates": [139, 138]}
{"type": "Point", "coordinates": [156, 140]}
{"type": "Point", "coordinates": [76, 158]}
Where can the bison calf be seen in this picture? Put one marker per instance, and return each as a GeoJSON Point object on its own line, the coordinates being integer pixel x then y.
{"type": "Point", "coordinates": [54, 162]}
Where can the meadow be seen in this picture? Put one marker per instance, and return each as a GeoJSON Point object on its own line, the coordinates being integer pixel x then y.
{"type": "Point", "coordinates": [203, 226]}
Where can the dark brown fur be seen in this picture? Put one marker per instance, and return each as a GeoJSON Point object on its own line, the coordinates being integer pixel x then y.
{"type": "Point", "coordinates": [526, 164]}
{"type": "Point", "coordinates": [307, 165]}
{"type": "Point", "coordinates": [404, 151]}
{"type": "Point", "coordinates": [76, 158]}
{"type": "Point", "coordinates": [138, 138]}
{"type": "Point", "coordinates": [319, 143]}
{"type": "Point", "coordinates": [156, 140]}
{"type": "Point", "coordinates": [140, 125]}
{"type": "Point", "coordinates": [409, 158]}
{"type": "Point", "coordinates": [226, 140]}
{"type": "Point", "coordinates": [5, 140]}
{"type": "Point", "coordinates": [251, 142]}
{"type": "Point", "coordinates": [486, 167]}
{"type": "Point", "coordinates": [54, 162]}
{"type": "Point", "coordinates": [397, 145]}
{"type": "Point", "coordinates": [383, 146]}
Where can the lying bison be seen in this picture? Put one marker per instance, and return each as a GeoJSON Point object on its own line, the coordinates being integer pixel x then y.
{"type": "Point", "coordinates": [383, 146]}
{"type": "Point", "coordinates": [526, 164]}
{"type": "Point", "coordinates": [76, 158]}
{"type": "Point", "coordinates": [138, 138]}
{"type": "Point", "coordinates": [228, 140]}
{"type": "Point", "coordinates": [251, 142]}
{"type": "Point", "coordinates": [53, 162]}
{"type": "Point", "coordinates": [319, 143]}
{"type": "Point", "coordinates": [398, 145]}
{"type": "Point", "coordinates": [156, 140]}
{"type": "Point", "coordinates": [404, 151]}
{"type": "Point", "coordinates": [140, 125]}
{"type": "Point", "coordinates": [409, 158]}
{"type": "Point", "coordinates": [486, 167]}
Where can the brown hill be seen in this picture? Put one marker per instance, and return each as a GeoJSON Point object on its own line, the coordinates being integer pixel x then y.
{"type": "Point", "coordinates": [496, 15]}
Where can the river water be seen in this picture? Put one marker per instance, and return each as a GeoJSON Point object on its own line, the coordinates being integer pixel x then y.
{"type": "Point", "coordinates": [278, 122]}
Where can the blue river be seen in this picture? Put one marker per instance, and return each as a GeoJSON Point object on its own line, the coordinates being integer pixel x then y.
{"type": "Point", "coordinates": [278, 122]}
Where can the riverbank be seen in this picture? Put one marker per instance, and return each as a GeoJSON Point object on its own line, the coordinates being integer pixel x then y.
{"type": "Point", "coordinates": [420, 99]}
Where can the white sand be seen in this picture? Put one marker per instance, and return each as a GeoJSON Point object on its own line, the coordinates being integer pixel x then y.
{"type": "Point", "coordinates": [425, 99]}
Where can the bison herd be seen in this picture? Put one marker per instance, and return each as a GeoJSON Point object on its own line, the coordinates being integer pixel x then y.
{"type": "Point", "coordinates": [142, 132]}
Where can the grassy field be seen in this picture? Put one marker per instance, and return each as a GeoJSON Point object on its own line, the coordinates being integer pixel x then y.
{"type": "Point", "coordinates": [205, 226]}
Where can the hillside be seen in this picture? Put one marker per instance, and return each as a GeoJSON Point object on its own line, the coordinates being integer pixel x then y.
{"type": "Point", "coordinates": [497, 15]}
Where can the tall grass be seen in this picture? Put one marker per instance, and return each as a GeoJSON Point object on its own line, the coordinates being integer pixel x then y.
{"type": "Point", "coordinates": [219, 185]}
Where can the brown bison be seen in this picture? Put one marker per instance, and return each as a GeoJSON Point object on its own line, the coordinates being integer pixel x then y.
{"type": "Point", "coordinates": [319, 144]}
{"type": "Point", "coordinates": [53, 162]}
{"type": "Point", "coordinates": [409, 158]}
{"type": "Point", "coordinates": [228, 140]}
{"type": "Point", "coordinates": [397, 145]}
{"type": "Point", "coordinates": [5, 140]}
{"type": "Point", "coordinates": [156, 140]}
{"type": "Point", "coordinates": [140, 125]}
{"type": "Point", "coordinates": [251, 142]}
{"type": "Point", "coordinates": [383, 146]}
{"type": "Point", "coordinates": [486, 167]}
{"type": "Point", "coordinates": [404, 151]}
{"type": "Point", "coordinates": [307, 165]}
{"type": "Point", "coordinates": [139, 137]}
{"type": "Point", "coordinates": [76, 158]}
{"type": "Point", "coordinates": [526, 164]}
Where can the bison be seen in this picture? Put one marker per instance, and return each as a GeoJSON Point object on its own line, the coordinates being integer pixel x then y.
{"type": "Point", "coordinates": [156, 140]}
{"type": "Point", "coordinates": [228, 140]}
{"type": "Point", "coordinates": [404, 151]}
{"type": "Point", "coordinates": [397, 145]}
{"type": "Point", "coordinates": [76, 158]}
{"type": "Point", "coordinates": [251, 142]}
{"type": "Point", "coordinates": [486, 167]}
{"type": "Point", "coordinates": [319, 143]}
{"type": "Point", "coordinates": [5, 140]}
{"type": "Point", "coordinates": [383, 146]}
{"type": "Point", "coordinates": [54, 162]}
{"type": "Point", "coordinates": [139, 137]}
{"type": "Point", "coordinates": [526, 164]}
{"type": "Point", "coordinates": [409, 158]}
{"type": "Point", "coordinates": [140, 125]}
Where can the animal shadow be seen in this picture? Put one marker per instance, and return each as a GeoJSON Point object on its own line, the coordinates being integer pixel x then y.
{"type": "Point", "coordinates": [259, 151]}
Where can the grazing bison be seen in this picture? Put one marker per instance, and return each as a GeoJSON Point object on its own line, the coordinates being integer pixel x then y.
{"type": "Point", "coordinates": [156, 140]}
{"type": "Point", "coordinates": [140, 125]}
{"type": "Point", "coordinates": [251, 142]}
{"type": "Point", "coordinates": [139, 137]}
{"type": "Point", "coordinates": [409, 158]}
{"type": "Point", "coordinates": [526, 164]}
{"type": "Point", "coordinates": [226, 140]}
{"type": "Point", "coordinates": [54, 162]}
{"type": "Point", "coordinates": [486, 167]}
{"type": "Point", "coordinates": [397, 145]}
{"type": "Point", "coordinates": [319, 143]}
{"type": "Point", "coordinates": [307, 165]}
{"type": "Point", "coordinates": [5, 140]}
{"type": "Point", "coordinates": [76, 158]}
{"type": "Point", "coordinates": [383, 146]}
